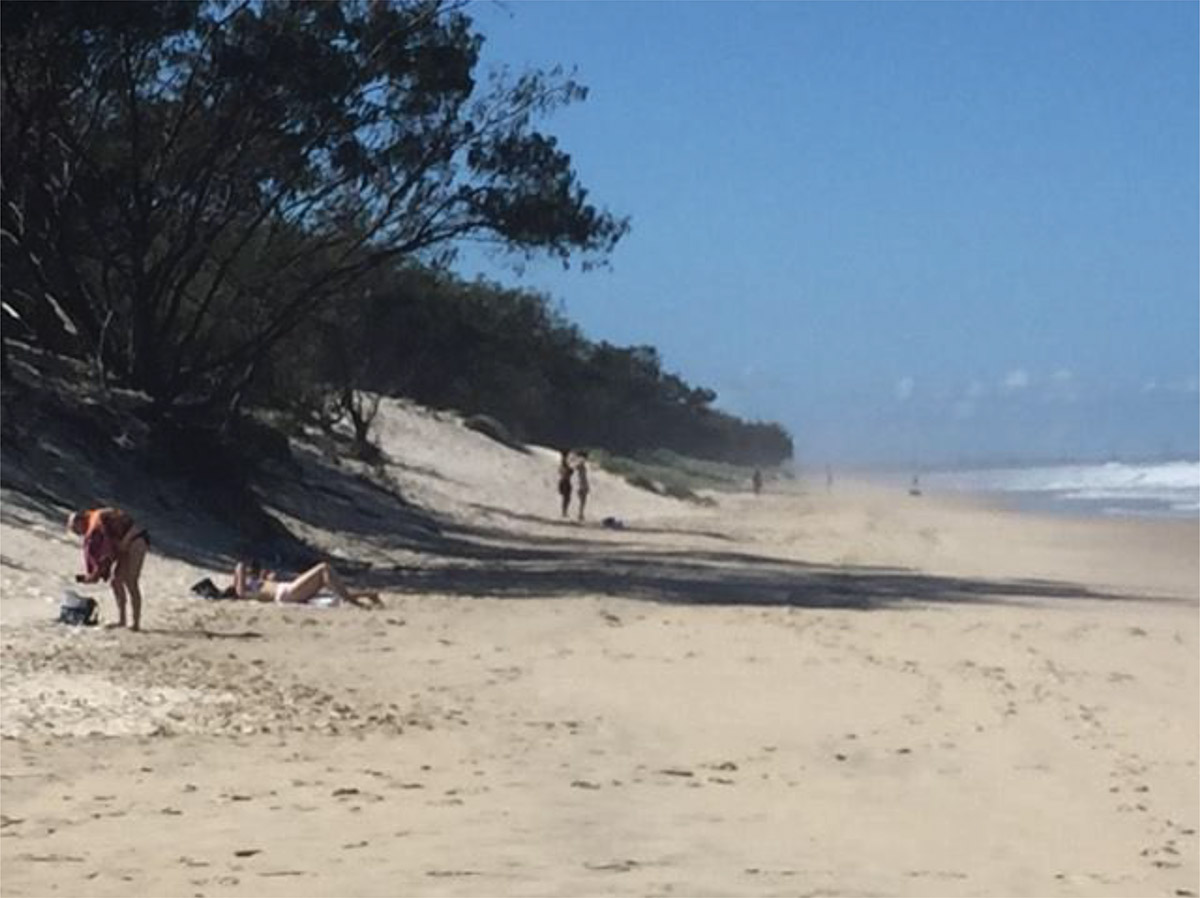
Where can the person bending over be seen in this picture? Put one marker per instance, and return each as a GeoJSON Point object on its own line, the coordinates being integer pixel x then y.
{"type": "Point", "coordinates": [254, 584]}
{"type": "Point", "coordinates": [114, 549]}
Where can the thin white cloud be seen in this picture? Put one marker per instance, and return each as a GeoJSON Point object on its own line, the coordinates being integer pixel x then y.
{"type": "Point", "coordinates": [1062, 387]}
{"type": "Point", "coordinates": [1186, 385]}
{"type": "Point", "coordinates": [904, 388]}
{"type": "Point", "coordinates": [1017, 379]}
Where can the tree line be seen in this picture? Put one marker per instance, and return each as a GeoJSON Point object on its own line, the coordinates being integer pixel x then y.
{"type": "Point", "coordinates": [217, 203]}
{"type": "Point", "coordinates": [479, 347]}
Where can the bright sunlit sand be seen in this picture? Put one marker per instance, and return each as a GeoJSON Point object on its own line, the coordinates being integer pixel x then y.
{"type": "Point", "coordinates": [594, 449]}
{"type": "Point", "coordinates": [800, 693]}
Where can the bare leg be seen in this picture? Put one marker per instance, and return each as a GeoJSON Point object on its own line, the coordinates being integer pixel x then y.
{"type": "Point", "coordinates": [128, 571]}
{"type": "Point", "coordinates": [361, 598]}
{"type": "Point", "coordinates": [135, 603]}
{"type": "Point", "coordinates": [566, 503]}
{"type": "Point", "coordinates": [314, 579]}
{"type": "Point", "coordinates": [118, 591]}
{"type": "Point", "coordinates": [582, 504]}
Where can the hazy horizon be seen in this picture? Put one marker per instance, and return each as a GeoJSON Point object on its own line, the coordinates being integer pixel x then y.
{"type": "Point", "coordinates": [911, 233]}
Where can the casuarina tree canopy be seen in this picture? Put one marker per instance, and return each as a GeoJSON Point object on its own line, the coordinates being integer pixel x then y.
{"type": "Point", "coordinates": [184, 183]}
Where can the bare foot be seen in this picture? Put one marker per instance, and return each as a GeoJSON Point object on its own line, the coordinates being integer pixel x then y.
{"type": "Point", "coordinates": [115, 626]}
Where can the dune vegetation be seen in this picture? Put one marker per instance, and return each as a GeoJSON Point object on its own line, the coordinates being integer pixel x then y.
{"type": "Point", "coordinates": [227, 238]}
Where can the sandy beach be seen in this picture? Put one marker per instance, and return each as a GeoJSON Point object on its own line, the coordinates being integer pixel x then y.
{"type": "Point", "coordinates": [800, 693]}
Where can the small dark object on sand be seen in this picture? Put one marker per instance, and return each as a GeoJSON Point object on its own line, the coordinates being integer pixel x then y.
{"type": "Point", "coordinates": [78, 610]}
{"type": "Point", "coordinates": [206, 589]}
{"type": "Point", "coordinates": [613, 523]}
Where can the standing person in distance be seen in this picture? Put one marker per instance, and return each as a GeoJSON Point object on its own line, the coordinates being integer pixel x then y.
{"type": "Point", "coordinates": [564, 481]}
{"type": "Point", "coordinates": [581, 475]}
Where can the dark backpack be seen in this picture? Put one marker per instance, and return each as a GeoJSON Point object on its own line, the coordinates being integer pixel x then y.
{"type": "Point", "coordinates": [206, 589]}
{"type": "Point", "coordinates": [78, 611]}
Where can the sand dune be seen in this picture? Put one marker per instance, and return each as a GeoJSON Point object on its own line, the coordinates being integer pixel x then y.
{"type": "Point", "coordinates": [792, 694]}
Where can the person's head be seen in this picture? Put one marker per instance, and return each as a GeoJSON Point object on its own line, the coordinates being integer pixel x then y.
{"type": "Point", "coordinates": [254, 567]}
{"type": "Point", "coordinates": [77, 522]}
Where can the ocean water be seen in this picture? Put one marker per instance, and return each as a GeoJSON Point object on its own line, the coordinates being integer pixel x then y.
{"type": "Point", "coordinates": [1162, 489]}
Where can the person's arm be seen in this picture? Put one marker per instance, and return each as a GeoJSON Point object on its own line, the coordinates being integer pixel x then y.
{"type": "Point", "coordinates": [97, 556]}
{"type": "Point", "coordinates": [242, 585]}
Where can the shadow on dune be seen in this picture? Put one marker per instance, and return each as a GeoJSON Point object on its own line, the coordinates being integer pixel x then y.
{"type": "Point", "coordinates": [627, 528]}
{"type": "Point", "coordinates": [470, 560]}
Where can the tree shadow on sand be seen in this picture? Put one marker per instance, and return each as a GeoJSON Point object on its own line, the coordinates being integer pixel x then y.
{"type": "Point", "coordinates": [628, 528]}
{"type": "Point", "coordinates": [711, 579]}
{"type": "Point", "coordinates": [476, 560]}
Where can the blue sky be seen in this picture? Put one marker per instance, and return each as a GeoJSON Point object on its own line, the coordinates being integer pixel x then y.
{"type": "Point", "coordinates": [913, 233]}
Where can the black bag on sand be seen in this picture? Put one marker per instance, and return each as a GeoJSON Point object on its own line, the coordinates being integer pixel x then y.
{"type": "Point", "coordinates": [78, 610]}
{"type": "Point", "coordinates": [206, 589]}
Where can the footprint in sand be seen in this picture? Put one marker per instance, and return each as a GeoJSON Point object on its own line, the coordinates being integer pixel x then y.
{"type": "Point", "coordinates": [613, 866]}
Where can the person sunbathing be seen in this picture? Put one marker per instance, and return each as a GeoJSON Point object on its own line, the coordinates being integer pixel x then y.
{"type": "Point", "coordinates": [252, 583]}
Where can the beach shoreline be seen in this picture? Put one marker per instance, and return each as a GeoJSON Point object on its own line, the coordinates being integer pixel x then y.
{"type": "Point", "coordinates": [1165, 488]}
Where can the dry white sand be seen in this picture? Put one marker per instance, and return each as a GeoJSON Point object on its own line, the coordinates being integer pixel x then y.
{"type": "Point", "coordinates": [793, 694]}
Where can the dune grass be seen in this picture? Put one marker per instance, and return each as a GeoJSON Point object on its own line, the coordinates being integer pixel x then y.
{"type": "Point", "coordinates": [678, 476]}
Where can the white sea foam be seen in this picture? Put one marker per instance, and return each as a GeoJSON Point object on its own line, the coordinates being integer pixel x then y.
{"type": "Point", "coordinates": [1166, 488]}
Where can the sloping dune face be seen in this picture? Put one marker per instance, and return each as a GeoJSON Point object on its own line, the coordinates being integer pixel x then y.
{"type": "Point", "coordinates": [444, 464]}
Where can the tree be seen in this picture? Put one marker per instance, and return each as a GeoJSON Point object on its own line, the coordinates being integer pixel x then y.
{"type": "Point", "coordinates": [510, 354]}
{"type": "Point", "coordinates": [184, 184]}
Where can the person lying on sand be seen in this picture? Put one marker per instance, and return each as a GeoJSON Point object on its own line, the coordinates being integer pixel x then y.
{"type": "Point", "coordinates": [252, 583]}
{"type": "Point", "coordinates": [113, 547]}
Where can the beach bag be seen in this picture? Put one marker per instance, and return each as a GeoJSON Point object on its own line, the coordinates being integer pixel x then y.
{"type": "Point", "coordinates": [78, 610]}
{"type": "Point", "coordinates": [206, 589]}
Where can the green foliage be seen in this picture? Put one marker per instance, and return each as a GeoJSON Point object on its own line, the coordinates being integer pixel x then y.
{"type": "Point", "coordinates": [671, 474]}
{"type": "Point", "coordinates": [185, 184]}
{"type": "Point", "coordinates": [218, 203]}
{"type": "Point", "coordinates": [701, 473]}
{"type": "Point", "coordinates": [486, 350]}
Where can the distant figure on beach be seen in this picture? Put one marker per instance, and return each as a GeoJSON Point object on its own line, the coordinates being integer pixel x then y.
{"type": "Point", "coordinates": [581, 474]}
{"type": "Point", "coordinates": [114, 549]}
{"type": "Point", "coordinates": [564, 481]}
{"type": "Point", "coordinates": [915, 489]}
{"type": "Point", "coordinates": [756, 481]}
{"type": "Point", "coordinates": [828, 479]}
{"type": "Point", "coordinates": [252, 583]}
